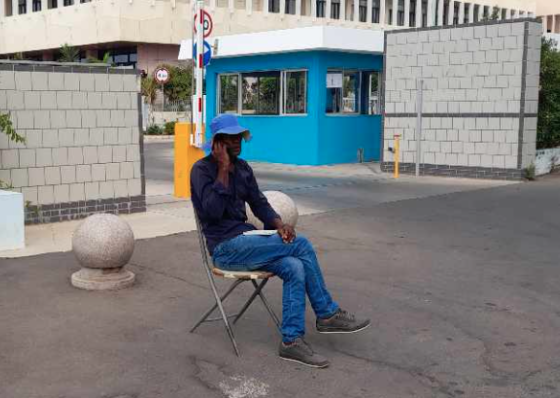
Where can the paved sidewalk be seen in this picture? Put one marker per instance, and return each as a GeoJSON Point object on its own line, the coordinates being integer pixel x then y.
{"type": "Point", "coordinates": [314, 189]}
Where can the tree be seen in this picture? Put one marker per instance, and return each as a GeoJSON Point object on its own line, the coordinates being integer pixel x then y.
{"type": "Point", "coordinates": [69, 53]}
{"type": "Point", "coordinates": [548, 128]}
{"type": "Point", "coordinates": [7, 128]}
{"type": "Point", "coordinates": [105, 60]}
{"type": "Point", "coordinates": [149, 92]}
{"type": "Point", "coordinates": [180, 83]}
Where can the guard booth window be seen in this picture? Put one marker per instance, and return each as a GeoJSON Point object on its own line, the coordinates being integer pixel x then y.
{"type": "Point", "coordinates": [260, 93]}
{"type": "Point", "coordinates": [229, 93]}
{"type": "Point", "coordinates": [353, 92]}
{"type": "Point", "coordinates": [263, 93]}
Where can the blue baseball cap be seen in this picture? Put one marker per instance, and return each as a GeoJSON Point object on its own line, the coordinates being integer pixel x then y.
{"type": "Point", "coordinates": [227, 124]}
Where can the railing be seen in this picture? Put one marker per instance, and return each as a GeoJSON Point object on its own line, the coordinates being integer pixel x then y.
{"type": "Point", "coordinates": [171, 106]}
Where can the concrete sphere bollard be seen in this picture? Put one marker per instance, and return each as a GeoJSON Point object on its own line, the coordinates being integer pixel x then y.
{"type": "Point", "coordinates": [282, 204]}
{"type": "Point", "coordinates": [103, 244]}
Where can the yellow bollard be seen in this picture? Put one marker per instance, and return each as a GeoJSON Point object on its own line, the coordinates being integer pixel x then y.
{"type": "Point", "coordinates": [397, 145]}
{"type": "Point", "coordinates": [186, 156]}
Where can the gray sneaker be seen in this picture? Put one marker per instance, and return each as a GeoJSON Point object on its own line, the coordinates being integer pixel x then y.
{"type": "Point", "coordinates": [301, 352]}
{"type": "Point", "coordinates": [341, 322]}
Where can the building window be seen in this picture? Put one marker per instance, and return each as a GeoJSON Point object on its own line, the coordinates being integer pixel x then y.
{"type": "Point", "coordinates": [229, 93]}
{"type": "Point", "coordinates": [335, 9]}
{"type": "Point", "coordinates": [375, 11]}
{"type": "Point", "coordinates": [260, 93]}
{"type": "Point", "coordinates": [353, 92]}
{"type": "Point", "coordinates": [456, 14]}
{"type": "Point", "coordinates": [466, 14]}
{"type": "Point", "coordinates": [120, 56]}
{"type": "Point", "coordinates": [36, 5]}
{"type": "Point", "coordinates": [52, 4]}
{"type": "Point", "coordinates": [412, 13]}
{"type": "Point", "coordinates": [68, 3]}
{"type": "Point", "coordinates": [343, 91]}
{"type": "Point", "coordinates": [263, 93]}
{"type": "Point", "coordinates": [400, 13]}
{"type": "Point", "coordinates": [274, 6]}
{"type": "Point", "coordinates": [321, 8]}
{"type": "Point", "coordinates": [362, 11]}
{"type": "Point", "coordinates": [291, 7]}
{"type": "Point", "coordinates": [295, 92]}
{"type": "Point", "coordinates": [373, 94]}
{"type": "Point", "coordinates": [22, 7]}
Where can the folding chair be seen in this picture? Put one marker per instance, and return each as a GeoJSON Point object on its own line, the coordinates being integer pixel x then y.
{"type": "Point", "coordinates": [239, 278]}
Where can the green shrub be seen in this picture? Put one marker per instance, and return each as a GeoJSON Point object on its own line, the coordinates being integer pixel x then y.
{"type": "Point", "coordinates": [530, 172]}
{"type": "Point", "coordinates": [169, 128]}
{"type": "Point", "coordinates": [154, 129]}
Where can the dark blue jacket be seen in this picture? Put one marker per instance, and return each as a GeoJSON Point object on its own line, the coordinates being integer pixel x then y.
{"type": "Point", "coordinates": [221, 210]}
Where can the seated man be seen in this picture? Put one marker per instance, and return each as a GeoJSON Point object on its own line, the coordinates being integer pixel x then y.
{"type": "Point", "coordinates": [221, 183]}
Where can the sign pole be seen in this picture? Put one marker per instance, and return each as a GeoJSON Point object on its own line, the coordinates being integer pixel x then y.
{"type": "Point", "coordinates": [419, 102]}
{"type": "Point", "coordinates": [199, 23]}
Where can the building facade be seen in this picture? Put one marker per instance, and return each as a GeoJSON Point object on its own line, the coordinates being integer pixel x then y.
{"type": "Point", "coordinates": [145, 33]}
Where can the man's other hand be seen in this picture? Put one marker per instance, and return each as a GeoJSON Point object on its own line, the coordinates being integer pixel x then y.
{"type": "Point", "coordinates": [287, 233]}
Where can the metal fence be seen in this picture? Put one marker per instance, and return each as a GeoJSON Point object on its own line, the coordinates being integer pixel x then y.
{"type": "Point", "coordinates": [171, 106]}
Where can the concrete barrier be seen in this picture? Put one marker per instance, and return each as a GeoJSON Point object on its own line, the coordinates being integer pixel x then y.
{"type": "Point", "coordinates": [12, 232]}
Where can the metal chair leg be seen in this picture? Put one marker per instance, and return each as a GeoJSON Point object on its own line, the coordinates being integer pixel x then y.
{"type": "Point", "coordinates": [269, 309]}
{"type": "Point", "coordinates": [256, 292]}
{"type": "Point", "coordinates": [211, 310]}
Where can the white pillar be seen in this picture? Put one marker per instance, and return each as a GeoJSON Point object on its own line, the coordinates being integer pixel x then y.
{"type": "Point", "coordinates": [440, 13]}
{"type": "Point", "coordinates": [2, 8]}
{"type": "Point", "coordinates": [407, 13]}
{"type": "Point", "coordinates": [480, 12]}
{"type": "Point", "coordinates": [545, 23]}
{"type": "Point", "coordinates": [248, 6]}
{"type": "Point", "coordinates": [516, 15]}
{"type": "Point", "coordinates": [382, 12]}
{"type": "Point", "coordinates": [342, 16]}
{"type": "Point", "coordinates": [282, 8]}
{"type": "Point", "coordinates": [418, 12]}
{"type": "Point", "coordinates": [553, 27]}
{"type": "Point", "coordinates": [356, 16]}
{"type": "Point", "coordinates": [471, 12]}
{"type": "Point", "coordinates": [231, 5]}
{"type": "Point", "coordinates": [461, 13]}
{"type": "Point", "coordinates": [314, 9]}
{"type": "Point", "coordinates": [451, 12]}
{"type": "Point", "coordinates": [369, 10]}
{"type": "Point", "coordinates": [328, 8]}
{"type": "Point", "coordinates": [14, 7]}
{"type": "Point", "coordinates": [298, 8]}
{"type": "Point", "coordinates": [394, 19]}
{"type": "Point", "coordinates": [265, 6]}
{"type": "Point", "coordinates": [430, 13]}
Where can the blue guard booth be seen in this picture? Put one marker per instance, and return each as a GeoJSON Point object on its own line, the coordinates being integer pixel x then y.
{"type": "Point", "coordinates": [309, 96]}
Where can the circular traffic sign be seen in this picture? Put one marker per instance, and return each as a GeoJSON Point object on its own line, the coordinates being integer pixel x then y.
{"type": "Point", "coordinates": [207, 53]}
{"type": "Point", "coordinates": [207, 23]}
{"type": "Point", "coordinates": [162, 75]}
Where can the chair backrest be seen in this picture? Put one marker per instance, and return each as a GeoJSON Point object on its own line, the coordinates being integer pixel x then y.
{"type": "Point", "coordinates": [203, 248]}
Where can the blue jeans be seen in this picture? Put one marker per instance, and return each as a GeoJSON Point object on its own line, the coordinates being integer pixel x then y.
{"type": "Point", "coordinates": [295, 263]}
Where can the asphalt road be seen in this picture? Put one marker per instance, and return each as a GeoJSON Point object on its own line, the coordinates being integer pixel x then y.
{"type": "Point", "coordinates": [462, 289]}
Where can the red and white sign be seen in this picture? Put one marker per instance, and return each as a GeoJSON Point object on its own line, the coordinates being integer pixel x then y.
{"type": "Point", "coordinates": [161, 75]}
{"type": "Point", "coordinates": [206, 22]}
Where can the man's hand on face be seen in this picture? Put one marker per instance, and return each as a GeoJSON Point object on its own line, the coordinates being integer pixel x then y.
{"type": "Point", "coordinates": [220, 153]}
{"type": "Point", "coordinates": [287, 233]}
